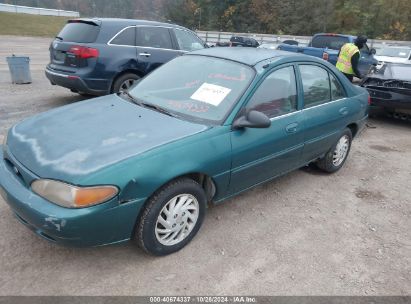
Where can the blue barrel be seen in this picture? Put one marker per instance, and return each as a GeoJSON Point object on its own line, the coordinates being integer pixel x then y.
{"type": "Point", "coordinates": [19, 67]}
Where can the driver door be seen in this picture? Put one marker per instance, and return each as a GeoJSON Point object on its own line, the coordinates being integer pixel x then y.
{"type": "Point", "coordinates": [261, 154]}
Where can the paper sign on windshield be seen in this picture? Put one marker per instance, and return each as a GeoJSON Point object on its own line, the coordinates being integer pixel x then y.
{"type": "Point", "coordinates": [211, 93]}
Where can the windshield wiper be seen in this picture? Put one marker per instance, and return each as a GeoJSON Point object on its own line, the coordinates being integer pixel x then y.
{"type": "Point", "coordinates": [131, 98]}
{"type": "Point", "coordinates": [60, 38]}
{"type": "Point", "coordinates": [158, 109]}
{"type": "Point", "coordinates": [146, 104]}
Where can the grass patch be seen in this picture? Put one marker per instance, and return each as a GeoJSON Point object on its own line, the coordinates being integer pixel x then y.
{"type": "Point", "coordinates": [30, 25]}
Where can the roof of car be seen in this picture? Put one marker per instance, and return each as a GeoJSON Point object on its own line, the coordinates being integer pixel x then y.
{"type": "Point", "coordinates": [248, 56]}
{"type": "Point", "coordinates": [130, 22]}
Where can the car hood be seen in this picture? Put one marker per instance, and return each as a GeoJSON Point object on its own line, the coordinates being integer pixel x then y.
{"type": "Point", "coordinates": [391, 59]}
{"type": "Point", "coordinates": [71, 142]}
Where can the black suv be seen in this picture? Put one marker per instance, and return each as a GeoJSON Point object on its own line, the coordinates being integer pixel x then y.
{"type": "Point", "coordinates": [243, 41]}
{"type": "Point", "coordinates": [102, 56]}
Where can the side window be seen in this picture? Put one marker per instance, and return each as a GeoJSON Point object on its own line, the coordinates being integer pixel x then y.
{"type": "Point", "coordinates": [277, 95]}
{"type": "Point", "coordinates": [187, 41]}
{"type": "Point", "coordinates": [337, 91]}
{"type": "Point", "coordinates": [155, 37]}
{"type": "Point", "coordinates": [316, 85]}
{"type": "Point", "coordinates": [126, 37]}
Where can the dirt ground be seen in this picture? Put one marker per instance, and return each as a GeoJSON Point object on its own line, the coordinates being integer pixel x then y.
{"type": "Point", "coordinates": [306, 233]}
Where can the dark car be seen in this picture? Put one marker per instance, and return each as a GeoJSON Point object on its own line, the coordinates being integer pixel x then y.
{"type": "Point", "coordinates": [102, 56]}
{"type": "Point", "coordinates": [390, 90]}
{"type": "Point", "coordinates": [243, 41]}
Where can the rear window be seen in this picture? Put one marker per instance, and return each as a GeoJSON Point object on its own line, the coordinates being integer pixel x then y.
{"type": "Point", "coordinates": [79, 32]}
{"type": "Point", "coordinates": [331, 42]}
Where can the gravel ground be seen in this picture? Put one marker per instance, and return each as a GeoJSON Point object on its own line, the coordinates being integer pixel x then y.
{"type": "Point", "coordinates": [306, 233]}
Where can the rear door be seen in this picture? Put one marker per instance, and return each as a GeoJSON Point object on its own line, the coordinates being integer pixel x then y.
{"type": "Point", "coordinates": [63, 49]}
{"type": "Point", "coordinates": [326, 111]}
{"type": "Point", "coordinates": [155, 47]}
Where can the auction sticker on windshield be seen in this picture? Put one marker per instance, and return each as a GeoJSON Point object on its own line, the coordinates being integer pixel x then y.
{"type": "Point", "coordinates": [211, 93]}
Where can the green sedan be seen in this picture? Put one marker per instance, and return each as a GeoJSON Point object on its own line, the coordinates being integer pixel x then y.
{"type": "Point", "coordinates": [143, 165]}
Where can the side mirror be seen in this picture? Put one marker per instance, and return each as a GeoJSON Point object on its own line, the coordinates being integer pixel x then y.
{"type": "Point", "coordinates": [252, 119]}
{"type": "Point", "coordinates": [373, 51]}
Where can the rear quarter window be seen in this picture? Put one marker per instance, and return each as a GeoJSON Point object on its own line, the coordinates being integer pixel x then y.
{"type": "Point", "coordinates": [331, 42]}
{"type": "Point", "coordinates": [79, 32]}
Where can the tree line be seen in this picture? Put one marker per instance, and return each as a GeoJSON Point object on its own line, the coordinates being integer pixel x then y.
{"type": "Point", "coordinates": [379, 19]}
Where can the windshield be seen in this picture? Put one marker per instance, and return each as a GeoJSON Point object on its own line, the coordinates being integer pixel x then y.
{"type": "Point", "coordinates": [198, 88]}
{"type": "Point", "coordinates": [395, 52]}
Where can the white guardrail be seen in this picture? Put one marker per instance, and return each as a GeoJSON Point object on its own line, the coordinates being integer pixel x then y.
{"type": "Point", "coordinates": [36, 10]}
{"type": "Point", "coordinates": [214, 37]}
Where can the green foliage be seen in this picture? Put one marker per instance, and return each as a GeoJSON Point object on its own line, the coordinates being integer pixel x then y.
{"type": "Point", "coordinates": [388, 19]}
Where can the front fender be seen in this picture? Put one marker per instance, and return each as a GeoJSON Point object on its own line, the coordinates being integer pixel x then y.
{"type": "Point", "coordinates": [139, 177]}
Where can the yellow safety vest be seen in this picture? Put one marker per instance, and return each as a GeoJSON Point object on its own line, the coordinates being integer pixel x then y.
{"type": "Point", "coordinates": [344, 60]}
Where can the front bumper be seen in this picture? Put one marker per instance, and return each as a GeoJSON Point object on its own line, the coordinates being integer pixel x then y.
{"type": "Point", "coordinates": [78, 83]}
{"type": "Point", "coordinates": [98, 225]}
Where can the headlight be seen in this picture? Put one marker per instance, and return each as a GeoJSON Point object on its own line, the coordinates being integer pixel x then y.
{"type": "Point", "coordinates": [70, 196]}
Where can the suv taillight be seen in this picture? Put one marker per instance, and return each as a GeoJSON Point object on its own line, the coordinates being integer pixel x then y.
{"type": "Point", "coordinates": [83, 52]}
{"type": "Point", "coordinates": [369, 99]}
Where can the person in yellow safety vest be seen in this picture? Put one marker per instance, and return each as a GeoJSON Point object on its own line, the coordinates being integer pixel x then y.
{"type": "Point", "coordinates": [349, 56]}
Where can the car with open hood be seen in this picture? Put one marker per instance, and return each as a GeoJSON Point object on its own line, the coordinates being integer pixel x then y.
{"type": "Point", "coordinates": [390, 90]}
{"type": "Point", "coordinates": [143, 164]}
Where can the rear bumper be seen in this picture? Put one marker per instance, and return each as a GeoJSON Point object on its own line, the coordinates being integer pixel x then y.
{"type": "Point", "coordinates": [390, 100]}
{"type": "Point", "coordinates": [102, 224]}
{"type": "Point", "coordinates": [78, 83]}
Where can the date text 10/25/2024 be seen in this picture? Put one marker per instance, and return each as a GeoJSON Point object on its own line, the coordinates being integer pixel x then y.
{"type": "Point", "coordinates": [204, 299]}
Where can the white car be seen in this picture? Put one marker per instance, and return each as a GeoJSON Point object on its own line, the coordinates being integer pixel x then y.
{"type": "Point", "coordinates": [393, 54]}
{"type": "Point", "coordinates": [270, 46]}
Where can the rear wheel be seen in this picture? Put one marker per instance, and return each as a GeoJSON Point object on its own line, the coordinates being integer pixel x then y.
{"type": "Point", "coordinates": [337, 155]}
{"type": "Point", "coordinates": [172, 217]}
{"type": "Point", "coordinates": [124, 82]}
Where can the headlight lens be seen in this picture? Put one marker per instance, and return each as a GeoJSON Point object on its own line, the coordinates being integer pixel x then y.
{"type": "Point", "coordinates": [70, 196]}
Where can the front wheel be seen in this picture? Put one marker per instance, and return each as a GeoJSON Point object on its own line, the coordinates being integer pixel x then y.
{"type": "Point", "coordinates": [172, 217]}
{"type": "Point", "coordinates": [337, 155]}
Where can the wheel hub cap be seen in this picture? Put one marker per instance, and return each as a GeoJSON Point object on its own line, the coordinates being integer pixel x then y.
{"type": "Point", "coordinates": [341, 150]}
{"type": "Point", "coordinates": [177, 219]}
{"type": "Point", "coordinates": [126, 85]}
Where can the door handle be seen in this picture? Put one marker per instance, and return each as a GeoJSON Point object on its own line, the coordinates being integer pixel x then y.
{"type": "Point", "coordinates": [344, 111]}
{"type": "Point", "coordinates": [144, 54]}
{"type": "Point", "coordinates": [291, 128]}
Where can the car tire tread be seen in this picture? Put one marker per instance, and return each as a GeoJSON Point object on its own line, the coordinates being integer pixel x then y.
{"type": "Point", "coordinates": [326, 163]}
{"type": "Point", "coordinates": [158, 198]}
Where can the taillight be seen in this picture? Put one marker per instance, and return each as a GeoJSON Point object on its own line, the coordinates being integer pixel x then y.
{"type": "Point", "coordinates": [326, 56]}
{"type": "Point", "coordinates": [83, 52]}
{"type": "Point", "coordinates": [369, 100]}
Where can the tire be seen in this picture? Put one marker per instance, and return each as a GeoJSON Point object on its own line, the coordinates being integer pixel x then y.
{"type": "Point", "coordinates": [333, 161]}
{"type": "Point", "coordinates": [124, 82]}
{"type": "Point", "coordinates": [164, 236]}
